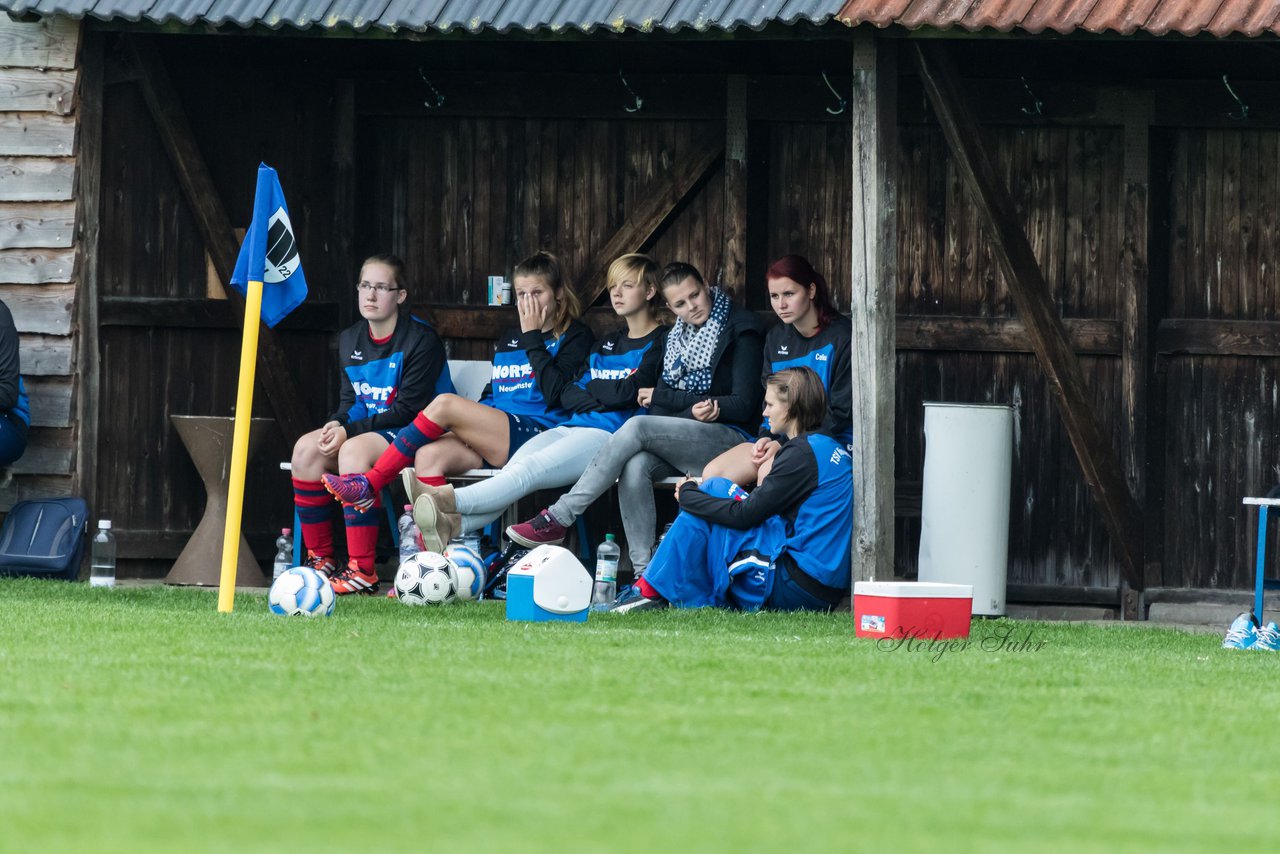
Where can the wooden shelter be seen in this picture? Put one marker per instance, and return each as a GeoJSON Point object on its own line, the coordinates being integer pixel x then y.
{"type": "Point", "coordinates": [1080, 225]}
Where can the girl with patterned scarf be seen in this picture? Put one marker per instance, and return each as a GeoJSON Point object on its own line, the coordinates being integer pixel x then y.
{"type": "Point", "coordinates": [706, 401]}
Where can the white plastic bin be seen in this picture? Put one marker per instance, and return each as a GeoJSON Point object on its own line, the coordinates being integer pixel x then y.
{"type": "Point", "coordinates": [964, 524]}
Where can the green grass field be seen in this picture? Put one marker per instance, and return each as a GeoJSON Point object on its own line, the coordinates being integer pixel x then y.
{"type": "Point", "coordinates": [142, 720]}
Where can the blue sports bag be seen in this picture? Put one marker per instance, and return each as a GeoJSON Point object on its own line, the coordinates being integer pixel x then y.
{"type": "Point", "coordinates": [44, 538]}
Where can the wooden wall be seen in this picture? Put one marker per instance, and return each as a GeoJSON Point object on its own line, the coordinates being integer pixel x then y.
{"type": "Point", "coordinates": [169, 340]}
{"type": "Point", "coordinates": [460, 193]}
{"type": "Point", "coordinates": [1222, 404]}
{"type": "Point", "coordinates": [513, 164]}
{"type": "Point", "coordinates": [38, 239]}
{"type": "Point", "coordinates": [1066, 187]}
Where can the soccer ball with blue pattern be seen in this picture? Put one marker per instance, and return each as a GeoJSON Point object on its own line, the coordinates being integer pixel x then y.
{"type": "Point", "coordinates": [468, 571]}
{"type": "Point", "coordinates": [301, 592]}
{"type": "Point", "coordinates": [426, 579]}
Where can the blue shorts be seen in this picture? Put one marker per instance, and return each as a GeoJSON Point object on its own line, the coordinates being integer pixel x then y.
{"type": "Point", "coordinates": [13, 438]}
{"type": "Point", "coordinates": [787, 594]}
{"type": "Point", "coordinates": [520, 430]}
{"type": "Point", "coordinates": [389, 435]}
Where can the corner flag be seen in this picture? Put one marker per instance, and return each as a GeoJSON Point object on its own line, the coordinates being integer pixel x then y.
{"type": "Point", "coordinates": [270, 252]}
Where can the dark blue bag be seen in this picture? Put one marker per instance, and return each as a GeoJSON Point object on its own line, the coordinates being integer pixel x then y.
{"type": "Point", "coordinates": [44, 538]}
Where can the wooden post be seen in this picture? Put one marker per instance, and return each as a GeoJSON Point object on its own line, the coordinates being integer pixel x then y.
{"type": "Point", "coordinates": [341, 253]}
{"type": "Point", "coordinates": [88, 197]}
{"type": "Point", "coordinates": [1030, 292]}
{"type": "Point", "coordinates": [215, 227]}
{"type": "Point", "coordinates": [873, 109]}
{"type": "Point", "coordinates": [734, 275]}
{"type": "Point", "coordinates": [1137, 327]}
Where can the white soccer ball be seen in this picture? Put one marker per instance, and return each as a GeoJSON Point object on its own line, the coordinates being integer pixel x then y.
{"type": "Point", "coordinates": [301, 592]}
{"type": "Point", "coordinates": [469, 572]}
{"type": "Point", "coordinates": [426, 579]}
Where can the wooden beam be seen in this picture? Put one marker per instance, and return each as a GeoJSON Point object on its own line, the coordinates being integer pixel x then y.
{"type": "Point", "coordinates": [37, 134]}
{"type": "Point", "coordinates": [88, 215]}
{"type": "Point", "coordinates": [649, 215]}
{"type": "Point", "coordinates": [1012, 252]}
{"type": "Point", "coordinates": [46, 309]}
{"type": "Point", "coordinates": [485, 323]}
{"type": "Point", "coordinates": [35, 486]}
{"type": "Point", "coordinates": [215, 227]}
{"type": "Point", "coordinates": [1137, 322]}
{"type": "Point", "coordinates": [49, 43]}
{"type": "Point", "coordinates": [1191, 337]}
{"type": "Point", "coordinates": [733, 274]}
{"type": "Point", "coordinates": [45, 225]}
{"type": "Point", "coordinates": [50, 401]}
{"type": "Point", "coordinates": [48, 355]}
{"type": "Point", "coordinates": [35, 89]}
{"type": "Point", "coordinates": [196, 313]}
{"type": "Point", "coordinates": [874, 282]}
{"type": "Point", "coordinates": [1000, 334]}
{"type": "Point", "coordinates": [759, 167]}
{"type": "Point", "coordinates": [343, 179]}
{"type": "Point", "coordinates": [549, 95]}
{"type": "Point", "coordinates": [36, 266]}
{"type": "Point", "coordinates": [1053, 594]}
{"type": "Point", "coordinates": [36, 179]}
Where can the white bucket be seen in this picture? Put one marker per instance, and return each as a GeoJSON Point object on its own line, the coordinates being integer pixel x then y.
{"type": "Point", "coordinates": [964, 524]}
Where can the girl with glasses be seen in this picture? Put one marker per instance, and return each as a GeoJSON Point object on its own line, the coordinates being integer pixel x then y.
{"type": "Point", "coordinates": [532, 366]}
{"type": "Point", "coordinates": [392, 365]}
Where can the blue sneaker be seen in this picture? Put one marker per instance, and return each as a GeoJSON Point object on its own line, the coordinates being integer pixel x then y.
{"type": "Point", "coordinates": [631, 599]}
{"type": "Point", "coordinates": [1268, 637]}
{"type": "Point", "coordinates": [1243, 634]}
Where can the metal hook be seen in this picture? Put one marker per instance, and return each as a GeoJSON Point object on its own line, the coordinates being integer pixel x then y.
{"type": "Point", "coordinates": [843, 102]}
{"type": "Point", "coordinates": [1244, 108]}
{"type": "Point", "coordinates": [1036, 104]}
{"type": "Point", "coordinates": [434, 91]}
{"type": "Point", "coordinates": [639, 102]}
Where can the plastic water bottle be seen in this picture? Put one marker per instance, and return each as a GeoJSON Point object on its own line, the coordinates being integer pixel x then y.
{"type": "Point", "coordinates": [102, 563]}
{"type": "Point", "coordinates": [284, 553]}
{"type": "Point", "coordinates": [606, 589]}
{"type": "Point", "coordinates": [409, 539]}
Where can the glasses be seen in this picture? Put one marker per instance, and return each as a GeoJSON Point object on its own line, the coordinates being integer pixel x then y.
{"type": "Point", "coordinates": [379, 289]}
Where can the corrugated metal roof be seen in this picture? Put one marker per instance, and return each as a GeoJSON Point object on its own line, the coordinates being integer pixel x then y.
{"type": "Point", "coordinates": [447, 15]}
{"type": "Point", "coordinates": [1157, 17]}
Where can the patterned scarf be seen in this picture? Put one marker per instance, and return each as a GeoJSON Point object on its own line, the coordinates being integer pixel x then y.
{"type": "Point", "coordinates": [687, 362]}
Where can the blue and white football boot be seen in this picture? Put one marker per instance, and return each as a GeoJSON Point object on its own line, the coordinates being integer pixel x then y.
{"type": "Point", "coordinates": [1268, 637]}
{"type": "Point", "coordinates": [1243, 634]}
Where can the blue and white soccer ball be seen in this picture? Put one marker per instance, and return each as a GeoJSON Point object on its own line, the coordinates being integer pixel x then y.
{"type": "Point", "coordinates": [427, 578]}
{"type": "Point", "coordinates": [301, 592]}
{"type": "Point", "coordinates": [468, 569]}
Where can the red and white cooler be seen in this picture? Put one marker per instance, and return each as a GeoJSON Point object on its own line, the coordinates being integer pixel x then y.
{"type": "Point", "coordinates": [926, 610]}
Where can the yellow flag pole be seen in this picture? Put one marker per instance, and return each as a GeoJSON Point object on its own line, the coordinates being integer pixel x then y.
{"type": "Point", "coordinates": [240, 447]}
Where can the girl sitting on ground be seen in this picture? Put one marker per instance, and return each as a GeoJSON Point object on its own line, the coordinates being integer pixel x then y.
{"type": "Point", "coordinates": [601, 399]}
{"type": "Point", "coordinates": [392, 365]}
{"type": "Point", "coordinates": [707, 400]}
{"type": "Point", "coordinates": [786, 545]}
{"type": "Point", "coordinates": [532, 366]}
{"type": "Point", "coordinates": [812, 334]}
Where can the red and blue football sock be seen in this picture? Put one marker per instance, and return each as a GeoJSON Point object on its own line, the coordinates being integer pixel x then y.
{"type": "Point", "coordinates": [400, 453]}
{"type": "Point", "coordinates": [315, 514]}
{"type": "Point", "coordinates": [362, 534]}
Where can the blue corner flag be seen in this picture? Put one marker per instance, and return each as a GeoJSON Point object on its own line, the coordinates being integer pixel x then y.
{"type": "Point", "coordinates": [270, 251]}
